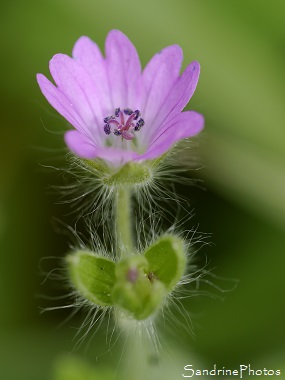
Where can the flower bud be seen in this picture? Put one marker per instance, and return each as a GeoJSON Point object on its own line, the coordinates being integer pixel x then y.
{"type": "Point", "coordinates": [134, 291]}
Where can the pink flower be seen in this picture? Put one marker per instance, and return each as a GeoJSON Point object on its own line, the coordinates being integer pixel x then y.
{"type": "Point", "coordinates": [121, 113]}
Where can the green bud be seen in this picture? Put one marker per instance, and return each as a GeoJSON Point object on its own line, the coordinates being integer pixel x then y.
{"type": "Point", "coordinates": [93, 276]}
{"type": "Point", "coordinates": [134, 291]}
{"type": "Point", "coordinates": [167, 260]}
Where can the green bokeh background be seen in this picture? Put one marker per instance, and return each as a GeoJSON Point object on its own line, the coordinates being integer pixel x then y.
{"type": "Point", "coordinates": [240, 45]}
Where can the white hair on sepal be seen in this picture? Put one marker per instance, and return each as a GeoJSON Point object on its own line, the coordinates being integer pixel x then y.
{"type": "Point", "coordinates": [87, 192]}
{"type": "Point", "coordinates": [93, 315]}
{"type": "Point", "coordinates": [173, 314]}
{"type": "Point", "coordinates": [92, 201]}
{"type": "Point", "coordinates": [198, 279]}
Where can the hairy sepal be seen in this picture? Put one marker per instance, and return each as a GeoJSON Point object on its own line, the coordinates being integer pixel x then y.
{"type": "Point", "coordinates": [131, 174]}
{"type": "Point", "coordinates": [92, 275]}
{"type": "Point", "coordinates": [137, 284]}
{"type": "Point", "coordinates": [167, 260]}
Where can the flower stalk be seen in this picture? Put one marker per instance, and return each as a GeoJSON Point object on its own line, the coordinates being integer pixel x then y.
{"type": "Point", "coordinates": [123, 222]}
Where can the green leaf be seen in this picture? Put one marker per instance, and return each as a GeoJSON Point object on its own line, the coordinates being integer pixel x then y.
{"type": "Point", "coordinates": [167, 260]}
{"type": "Point", "coordinates": [92, 276]}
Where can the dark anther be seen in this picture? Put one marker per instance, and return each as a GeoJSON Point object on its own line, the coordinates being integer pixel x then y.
{"type": "Point", "coordinates": [107, 129]}
{"type": "Point", "coordinates": [117, 112]}
{"type": "Point", "coordinates": [108, 118]}
{"type": "Point", "coordinates": [139, 125]}
{"type": "Point", "coordinates": [151, 276]}
{"type": "Point", "coordinates": [128, 111]}
{"type": "Point", "coordinates": [137, 112]}
{"type": "Point", "coordinates": [117, 133]}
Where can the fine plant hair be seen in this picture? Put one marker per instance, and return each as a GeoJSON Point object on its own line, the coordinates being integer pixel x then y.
{"type": "Point", "coordinates": [158, 210]}
{"type": "Point", "coordinates": [86, 193]}
{"type": "Point", "coordinates": [173, 315]}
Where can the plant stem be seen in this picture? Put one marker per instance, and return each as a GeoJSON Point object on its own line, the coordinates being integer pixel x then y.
{"type": "Point", "coordinates": [139, 351]}
{"type": "Point", "coordinates": [123, 221]}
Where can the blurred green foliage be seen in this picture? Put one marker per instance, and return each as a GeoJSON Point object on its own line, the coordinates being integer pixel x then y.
{"type": "Point", "coordinates": [240, 46]}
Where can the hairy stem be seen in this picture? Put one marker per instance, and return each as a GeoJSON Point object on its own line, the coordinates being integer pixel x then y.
{"type": "Point", "coordinates": [139, 353]}
{"type": "Point", "coordinates": [123, 222]}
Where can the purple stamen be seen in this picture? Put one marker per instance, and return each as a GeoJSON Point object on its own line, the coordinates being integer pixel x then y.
{"type": "Point", "coordinates": [107, 129]}
{"type": "Point", "coordinates": [107, 119]}
{"type": "Point", "coordinates": [139, 125]}
{"type": "Point", "coordinates": [122, 118]}
{"type": "Point", "coordinates": [120, 127]}
{"type": "Point", "coordinates": [114, 122]}
{"type": "Point", "coordinates": [137, 112]}
{"type": "Point", "coordinates": [117, 132]}
{"type": "Point", "coordinates": [130, 119]}
{"type": "Point", "coordinates": [128, 111]}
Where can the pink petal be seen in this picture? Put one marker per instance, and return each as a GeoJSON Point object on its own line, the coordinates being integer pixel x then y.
{"type": "Point", "coordinates": [183, 89]}
{"type": "Point", "coordinates": [80, 144]}
{"type": "Point", "coordinates": [87, 53]}
{"type": "Point", "coordinates": [75, 83]}
{"type": "Point", "coordinates": [83, 147]}
{"type": "Point", "coordinates": [178, 98]}
{"type": "Point", "coordinates": [124, 70]}
{"type": "Point", "coordinates": [116, 156]}
{"type": "Point", "coordinates": [60, 102]}
{"type": "Point", "coordinates": [184, 125]}
{"type": "Point", "coordinates": [159, 77]}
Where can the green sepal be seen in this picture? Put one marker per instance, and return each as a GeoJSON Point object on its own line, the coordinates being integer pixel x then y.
{"type": "Point", "coordinates": [130, 174]}
{"type": "Point", "coordinates": [134, 291]}
{"type": "Point", "coordinates": [167, 260]}
{"type": "Point", "coordinates": [93, 276]}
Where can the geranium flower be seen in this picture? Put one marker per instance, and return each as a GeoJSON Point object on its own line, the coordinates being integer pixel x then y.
{"type": "Point", "coordinates": [121, 113]}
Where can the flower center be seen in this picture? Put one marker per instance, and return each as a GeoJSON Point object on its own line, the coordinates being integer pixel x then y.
{"type": "Point", "coordinates": [123, 123]}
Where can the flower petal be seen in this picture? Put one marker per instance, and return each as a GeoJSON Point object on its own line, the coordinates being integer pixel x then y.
{"type": "Point", "coordinates": [116, 156]}
{"type": "Point", "coordinates": [75, 83]}
{"type": "Point", "coordinates": [90, 87]}
{"type": "Point", "coordinates": [83, 147]}
{"type": "Point", "coordinates": [158, 78]}
{"type": "Point", "coordinates": [124, 70]}
{"type": "Point", "coordinates": [60, 102]}
{"type": "Point", "coordinates": [184, 125]}
{"type": "Point", "coordinates": [80, 144]}
{"type": "Point", "coordinates": [177, 99]}
{"type": "Point", "coordinates": [183, 89]}
{"type": "Point", "coordinates": [88, 54]}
